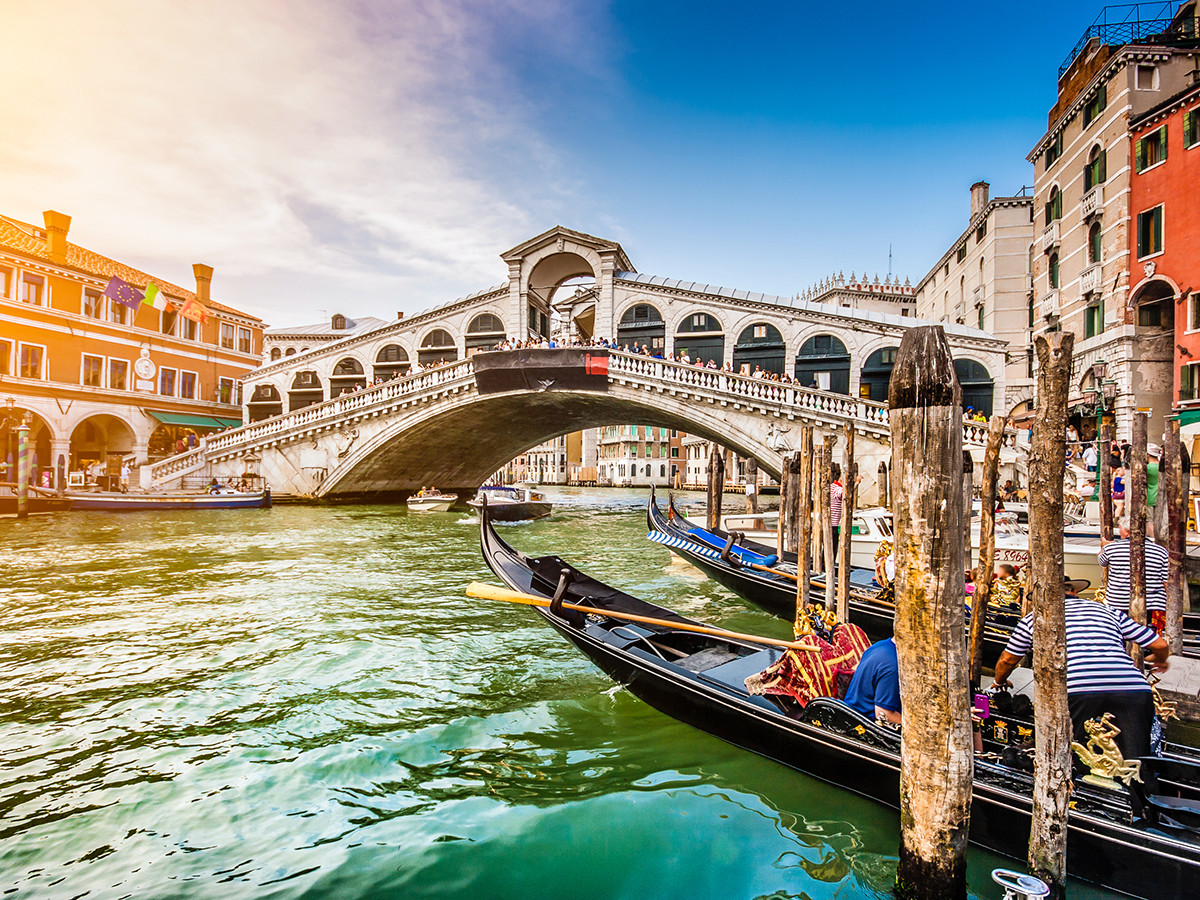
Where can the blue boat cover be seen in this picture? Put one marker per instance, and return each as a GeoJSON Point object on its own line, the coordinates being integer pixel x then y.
{"type": "Point", "coordinates": [746, 556]}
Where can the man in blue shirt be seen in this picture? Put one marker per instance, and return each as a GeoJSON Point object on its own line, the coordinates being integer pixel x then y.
{"type": "Point", "coordinates": [875, 689]}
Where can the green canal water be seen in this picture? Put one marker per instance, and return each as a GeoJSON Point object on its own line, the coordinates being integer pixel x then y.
{"type": "Point", "coordinates": [300, 702]}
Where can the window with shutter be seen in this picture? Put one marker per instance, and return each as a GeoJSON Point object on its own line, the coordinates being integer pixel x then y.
{"type": "Point", "coordinates": [1191, 133]}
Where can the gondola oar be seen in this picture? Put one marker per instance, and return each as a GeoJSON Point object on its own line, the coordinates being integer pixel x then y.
{"type": "Point", "coordinates": [491, 592]}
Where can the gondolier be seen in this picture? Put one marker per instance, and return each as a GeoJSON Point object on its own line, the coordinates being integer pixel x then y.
{"type": "Point", "coordinates": [1114, 560]}
{"type": "Point", "coordinates": [1100, 676]}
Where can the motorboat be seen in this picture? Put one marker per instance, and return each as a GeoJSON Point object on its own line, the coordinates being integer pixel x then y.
{"type": "Point", "coordinates": [431, 501]}
{"type": "Point", "coordinates": [38, 500]}
{"type": "Point", "coordinates": [512, 502]}
{"type": "Point", "coordinates": [1142, 839]}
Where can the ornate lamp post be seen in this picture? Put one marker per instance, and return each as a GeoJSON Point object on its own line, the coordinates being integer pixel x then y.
{"type": "Point", "coordinates": [1105, 390]}
{"type": "Point", "coordinates": [9, 473]}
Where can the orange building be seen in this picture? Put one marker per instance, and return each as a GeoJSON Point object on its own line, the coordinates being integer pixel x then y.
{"type": "Point", "coordinates": [103, 383]}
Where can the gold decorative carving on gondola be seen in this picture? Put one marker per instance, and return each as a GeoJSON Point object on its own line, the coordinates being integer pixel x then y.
{"type": "Point", "coordinates": [1102, 756]}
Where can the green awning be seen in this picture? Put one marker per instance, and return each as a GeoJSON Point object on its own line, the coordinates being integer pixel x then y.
{"type": "Point", "coordinates": [1189, 417]}
{"type": "Point", "coordinates": [190, 421]}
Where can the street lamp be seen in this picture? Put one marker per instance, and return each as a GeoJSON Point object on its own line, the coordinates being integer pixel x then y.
{"type": "Point", "coordinates": [1105, 390]}
{"type": "Point", "coordinates": [10, 402]}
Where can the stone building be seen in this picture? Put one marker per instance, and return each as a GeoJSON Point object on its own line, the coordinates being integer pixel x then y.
{"type": "Point", "coordinates": [983, 280]}
{"type": "Point", "coordinates": [1087, 274]}
{"type": "Point", "coordinates": [286, 340]}
{"type": "Point", "coordinates": [103, 382]}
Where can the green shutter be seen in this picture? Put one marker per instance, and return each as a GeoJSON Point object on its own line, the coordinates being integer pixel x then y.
{"type": "Point", "coordinates": [1162, 143]}
{"type": "Point", "coordinates": [1158, 229]}
{"type": "Point", "coordinates": [1140, 154]}
{"type": "Point", "coordinates": [1102, 97]}
{"type": "Point", "coordinates": [1141, 235]}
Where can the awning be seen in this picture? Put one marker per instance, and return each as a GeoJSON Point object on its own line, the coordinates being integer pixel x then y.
{"type": "Point", "coordinates": [1189, 417]}
{"type": "Point", "coordinates": [191, 421]}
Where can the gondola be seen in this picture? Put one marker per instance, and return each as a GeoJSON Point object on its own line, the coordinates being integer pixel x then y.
{"type": "Point", "coordinates": [752, 570]}
{"type": "Point", "coordinates": [1142, 844]}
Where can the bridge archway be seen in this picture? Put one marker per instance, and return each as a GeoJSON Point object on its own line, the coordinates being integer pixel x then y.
{"type": "Point", "coordinates": [348, 375]}
{"type": "Point", "coordinates": [642, 324]}
{"type": "Point", "coordinates": [876, 374]}
{"type": "Point", "coordinates": [760, 344]}
{"type": "Point", "coordinates": [264, 403]}
{"type": "Point", "coordinates": [391, 361]}
{"type": "Point", "coordinates": [823, 360]}
{"type": "Point", "coordinates": [977, 386]}
{"type": "Point", "coordinates": [306, 390]}
{"type": "Point", "coordinates": [484, 332]}
{"type": "Point", "coordinates": [701, 334]}
{"type": "Point", "coordinates": [437, 347]}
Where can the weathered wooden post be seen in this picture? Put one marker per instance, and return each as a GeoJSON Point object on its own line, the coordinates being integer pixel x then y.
{"type": "Point", "coordinates": [1105, 492]}
{"type": "Point", "coordinates": [752, 485]}
{"type": "Point", "coordinates": [1135, 499]}
{"type": "Point", "coordinates": [785, 511]}
{"type": "Point", "coordinates": [816, 532]}
{"type": "Point", "coordinates": [23, 462]}
{"type": "Point", "coordinates": [1052, 721]}
{"type": "Point", "coordinates": [1171, 492]}
{"type": "Point", "coordinates": [987, 544]}
{"type": "Point", "coordinates": [968, 491]}
{"type": "Point", "coordinates": [883, 485]}
{"type": "Point", "coordinates": [716, 485]}
{"type": "Point", "coordinates": [849, 498]}
{"type": "Point", "coordinates": [804, 522]}
{"type": "Point", "coordinates": [827, 520]}
{"type": "Point", "coordinates": [925, 403]}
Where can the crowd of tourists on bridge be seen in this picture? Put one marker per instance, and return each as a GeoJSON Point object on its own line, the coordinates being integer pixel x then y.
{"type": "Point", "coordinates": [636, 349]}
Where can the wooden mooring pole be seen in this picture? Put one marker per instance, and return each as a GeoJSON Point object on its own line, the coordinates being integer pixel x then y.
{"type": "Point", "coordinates": [925, 402]}
{"type": "Point", "coordinates": [1135, 500]}
{"type": "Point", "coordinates": [826, 508]}
{"type": "Point", "coordinates": [1171, 491]}
{"type": "Point", "coordinates": [752, 485]}
{"type": "Point", "coordinates": [1104, 495]}
{"type": "Point", "coordinates": [987, 544]}
{"type": "Point", "coordinates": [803, 521]}
{"type": "Point", "coordinates": [716, 485]}
{"type": "Point", "coordinates": [849, 498]}
{"type": "Point", "coordinates": [884, 499]}
{"type": "Point", "coordinates": [1052, 720]}
{"type": "Point", "coordinates": [785, 509]}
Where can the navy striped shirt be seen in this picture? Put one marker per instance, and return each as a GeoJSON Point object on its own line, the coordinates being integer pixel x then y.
{"type": "Point", "coordinates": [1115, 558]}
{"type": "Point", "coordinates": [1096, 659]}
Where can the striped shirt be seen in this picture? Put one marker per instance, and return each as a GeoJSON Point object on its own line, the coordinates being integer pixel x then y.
{"type": "Point", "coordinates": [1096, 659]}
{"type": "Point", "coordinates": [1115, 559]}
{"type": "Point", "coordinates": [836, 493]}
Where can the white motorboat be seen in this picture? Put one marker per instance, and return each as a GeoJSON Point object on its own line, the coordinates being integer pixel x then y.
{"type": "Point", "coordinates": [431, 501]}
{"type": "Point", "coordinates": [512, 502]}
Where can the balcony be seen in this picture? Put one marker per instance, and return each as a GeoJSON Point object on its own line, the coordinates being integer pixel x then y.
{"type": "Point", "coordinates": [1049, 304]}
{"type": "Point", "coordinates": [1089, 281]}
{"type": "Point", "coordinates": [1092, 202]}
{"type": "Point", "coordinates": [1050, 238]}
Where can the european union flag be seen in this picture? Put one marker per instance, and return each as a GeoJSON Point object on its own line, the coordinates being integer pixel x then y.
{"type": "Point", "coordinates": [123, 292]}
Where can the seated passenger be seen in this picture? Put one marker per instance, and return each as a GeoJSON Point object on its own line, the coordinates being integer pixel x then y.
{"type": "Point", "coordinates": [875, 688]}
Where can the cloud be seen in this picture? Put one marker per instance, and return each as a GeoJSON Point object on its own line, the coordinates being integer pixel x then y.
{"type": "Point", "coordinates": [368, 145]}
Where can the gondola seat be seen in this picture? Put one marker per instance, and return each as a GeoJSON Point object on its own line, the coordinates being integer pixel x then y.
{"type": "Point", "coordinates": [1175, 810]}
{"type": "Point", "coordinates": [1172, 777]}
{"type": "Point", "coordinates": [733, 674]}
{"type": "Point", "coordinates": [837, 716]}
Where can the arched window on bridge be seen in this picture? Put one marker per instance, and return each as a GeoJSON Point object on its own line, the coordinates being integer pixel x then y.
{"type": "Point", "coordinates": [276, 353]}
{"type": "Point", "coordinates": [391, 362]}
{"type": "Point", "coordinates": [305, 391]}
{"type": "Point", "coordinates": [759, 345]}
{"type": "Point", "coordinates": [437, 347]}
{"type": "Point", "coordinates": [877, 375]}
{"type": "Point", "coordinates": [265, 402]}
{"type": "Point", "coordinates": [976, 385]}
{"type": "Point", "coordinates": [824, 361]}
{"type": "Point", "coordinates": [348, 375]}
{"type": "Point", "coordinates": [291, 351]}
{"type": "Point", "coordinates": [701, 336]}
{"type": "Point", "coordinates": [643, 324]}
{"type": "Point", "coordinates": [484, 333]}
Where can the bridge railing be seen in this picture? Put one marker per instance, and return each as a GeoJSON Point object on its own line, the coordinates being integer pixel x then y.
{"type": "Point", "coordinates": [316, 414]}
{"type": "Point", "coordinates": [784, 394]}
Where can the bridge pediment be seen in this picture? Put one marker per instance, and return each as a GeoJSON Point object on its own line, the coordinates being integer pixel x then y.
{"type": "Point", "coordinates": [563, 240]}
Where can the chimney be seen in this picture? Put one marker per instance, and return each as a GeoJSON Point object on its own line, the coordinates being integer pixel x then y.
{"type": "Point", "coordinates": [57, 226]}
{"type": "Point", "coordinates": [203, 281]}
{"type": "Point", "coordinates": [979, 196]}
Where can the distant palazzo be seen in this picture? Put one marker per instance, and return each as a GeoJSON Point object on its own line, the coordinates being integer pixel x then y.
{"type": "Point", "coordinates": [569, 285]}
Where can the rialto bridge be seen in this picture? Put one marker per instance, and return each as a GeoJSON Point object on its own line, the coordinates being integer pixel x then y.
{"type": "Point", "coordinates": [318, 424]}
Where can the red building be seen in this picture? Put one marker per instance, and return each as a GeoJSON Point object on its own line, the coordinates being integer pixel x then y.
{"type": "Point", "coordinates": [1164, 230]}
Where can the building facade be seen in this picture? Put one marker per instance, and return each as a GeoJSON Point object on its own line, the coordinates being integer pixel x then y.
{"type": "Point", "coordinates": [984, 279]}
{"type": "Point", "coordinates": [286, 340]}
{"type": "Point", "coordinates": [1087, 277]}
{"type": "Point", "coordinates": [638, 455]}
{"type": "Point", "coordinates": [102, 382]}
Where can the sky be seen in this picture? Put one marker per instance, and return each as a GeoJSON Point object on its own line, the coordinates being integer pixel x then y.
{"type": "Point", "coordinates": [377, 156]}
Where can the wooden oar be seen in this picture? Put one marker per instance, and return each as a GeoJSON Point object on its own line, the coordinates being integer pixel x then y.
{"type": "Point", "coordinates": [773, 571]}
{"type": "Point", "coordinates": [491, 592]}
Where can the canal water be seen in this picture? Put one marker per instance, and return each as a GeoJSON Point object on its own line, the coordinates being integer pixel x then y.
{"type": "Point", "coordinates": [301, 702]}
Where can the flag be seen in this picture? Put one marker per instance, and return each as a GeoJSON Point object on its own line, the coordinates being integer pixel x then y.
{"type": "Point", "coordinates": [154, 297]}
{"type": "Point", "coordinates": [193, 309]}
{"type": "Point", "coordinates": [123, 292]}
